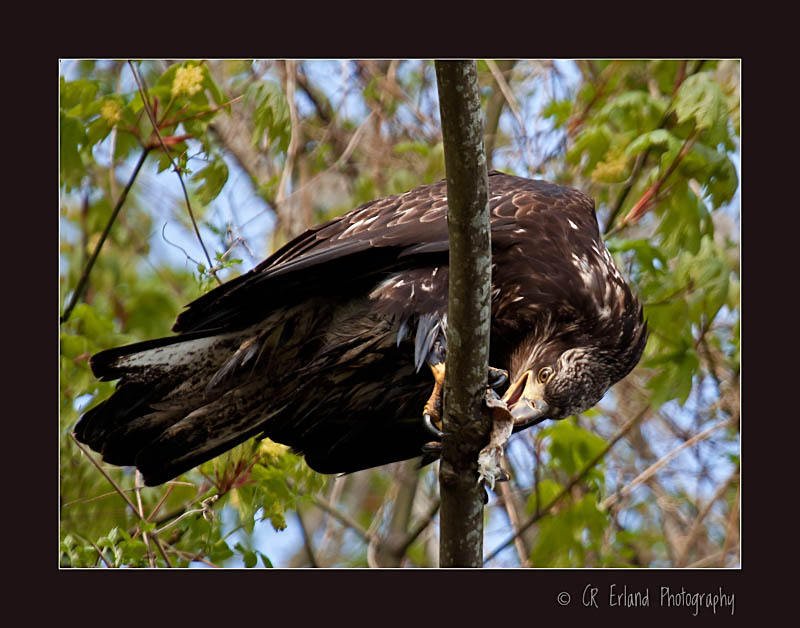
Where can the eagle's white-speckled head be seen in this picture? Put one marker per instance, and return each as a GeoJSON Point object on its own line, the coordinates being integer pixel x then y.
{"type": "Point", "coordinates": [556, 377]}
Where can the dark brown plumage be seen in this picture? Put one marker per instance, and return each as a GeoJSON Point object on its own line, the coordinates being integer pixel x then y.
{"type": "Point", "coordinates": [322, 346]}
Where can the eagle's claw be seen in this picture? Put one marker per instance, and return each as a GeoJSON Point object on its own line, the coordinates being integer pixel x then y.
{"type": "Point", "coordinates": [427, 419]}
{"type": "Point", "coordinates": [497, 377]}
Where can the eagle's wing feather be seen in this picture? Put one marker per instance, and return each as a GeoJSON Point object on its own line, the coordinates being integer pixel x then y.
{"type": "Point", "coordinates": [374, 240]}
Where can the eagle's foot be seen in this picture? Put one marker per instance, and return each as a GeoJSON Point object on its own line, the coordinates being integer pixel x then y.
{"type": "Point", "coordinates": [432, 412]}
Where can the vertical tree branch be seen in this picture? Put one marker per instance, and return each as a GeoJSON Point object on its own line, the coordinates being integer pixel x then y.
{"type": "Point", "coordinates": [466, 418]}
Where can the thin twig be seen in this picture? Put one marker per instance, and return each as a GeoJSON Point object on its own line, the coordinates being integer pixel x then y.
{"type": "Point", "coordinates": [709, 561]}
{"type": "Point", "coordinates": [307, 541]}
{"type": "Point", "coordinates": [153, 537]}
{"type": "Point", "coordinates": [351, 146]}
{"type": "Point", "coordinates": [191, 557]}
{"type": "Point", "coordinates": [291, 154]}
{"type": "Point", "coordinates": [95, 498]}
{"type": "Point", "coordinates": [650, 196]}
{"type": "Point", "coordinates": [612, 500]}
{"type": "Point", "coordinates": [97, 549]}
{"type": "Point", "coordinates": [140, 512]}
{"type": "Point", "coordinates": [642, 157]}
{"type": "Point", "coordinates": [691, 535]}
{"type": "Point", "coordinates": [374, 544]}
{"type": "Point", "coordinates": [336, 490]}
{"type": "Point", "coordinates": [105, 475]}
{"type": "Point", "coordinates": [121, 493]}
{"type": "Point", "coordinates": [342, 518]}
{"type": "Point", "coordinates": [600, 84]}
{"type": "Point", "coordinates": [419, 528]}
{"type": "Point", "coordinates": [729, 530]}
{"type": "Point", "coordinates": [514, 106]}
{"type": "Point", "coordinates": [395, 90]}
{"type": "Point", "coordinates": [160, 503]}
{"type": "Point", "coordinates": [522, 551]}
{"type": "Point", "coordinates": [149, 111]}
{"type": "Point", "coordinates": [160, 549]}
{"type": "Point", "coordinates": [205, 510]}
{"type": "Point", "coordinates": [82, 282]}
{"type": "Point", "coordinates": [200, 114]}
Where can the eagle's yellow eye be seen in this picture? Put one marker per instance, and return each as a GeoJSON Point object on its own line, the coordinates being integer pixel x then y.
{"type": "Point", "coordinates": [545, 373]}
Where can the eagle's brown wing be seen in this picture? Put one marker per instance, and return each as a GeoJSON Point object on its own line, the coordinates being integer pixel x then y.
{"type": "Point", "coordinates": [376, 239]}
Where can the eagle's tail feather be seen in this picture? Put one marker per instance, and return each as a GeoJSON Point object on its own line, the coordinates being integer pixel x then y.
{"type": "Point", "coordinates": [211, 429]}
{"type": "Point", "coordinates": [164, 418]}
{"type": "Point", "coordinates": [198, 436]}
{"type": "Point", "coordinates": [160, 354]}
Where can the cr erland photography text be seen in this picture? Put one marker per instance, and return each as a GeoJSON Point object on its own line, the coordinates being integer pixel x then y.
{"type": "Point", "coordinates": [708, 601]}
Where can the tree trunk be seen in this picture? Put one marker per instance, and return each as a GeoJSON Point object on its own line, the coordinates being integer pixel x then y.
{"type": "Point", "coordinates": [466, 418]}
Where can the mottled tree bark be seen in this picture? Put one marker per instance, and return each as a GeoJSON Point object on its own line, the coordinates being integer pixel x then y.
{"type": "Point", "coordinates": [466, 418]}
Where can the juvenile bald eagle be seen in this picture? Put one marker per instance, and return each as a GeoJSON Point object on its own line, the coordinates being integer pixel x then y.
{"type": "Point", "coordinates": [323, 346]}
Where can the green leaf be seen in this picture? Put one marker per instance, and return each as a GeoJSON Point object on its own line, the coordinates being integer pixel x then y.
{"type": "Point", "coordinates": [572, 448]}
{"type": "Point", "coordinates": [676, 377]}
{"type": "Point", "coordinates": [685, 220]}
{"type": "Point", "coordinates": [219, 552]}
{"type": "Point", "coordinates": [71, 140]}
{"type": "Point", "coordinates": [248, 556]}
{"type": "Point", "coordinates": [98, 131]}
{"type": "Point", "coordinates": [168, 76]}
{"type": "Point", "coordinates": [660, 139]}
{"type": "Point", "coordinates": [91, 324]}
{"type": "Point", "coordinates": [421, 148]}
{"type": "Point", "coordinates": [75, 95]}
{"type": "Point", "coordinates": [211, 86]}
{"type": "Point", "coordinates": [125, 145]}
{"type": "Point", "coordinates": [634, 110]}
{"type": "Point", "coordinates": [130, 552]}
{"type": "Point", "coordinates": [160, 92]}
{"type": "Point", "coordinates": [559, 110]}
{"type": "Point", "coordinates": [210, 180]}
{"type": "Point", "coordinates": [73, 346]}
{"type": "Point", "coordinates": [544, 493]}
{"type": "Point", "coordinates": [147, 526]}
{"type": "Point", "coordinates": [723, 183]}
{"type": "Point", "coordinates": [664, 72]}
{"type": "Point", "coordinates": [270, 113]}
{"type": "Point", "coordinates": [594, 140]}
{"type": "Point", "coordinates": [700, 99]}
{"type": "Point", "coordinates": [164, 161]}
{"type": "Point", "coordinates": [650, 257]}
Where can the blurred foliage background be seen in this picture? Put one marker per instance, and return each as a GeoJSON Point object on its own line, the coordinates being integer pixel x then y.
{"type": "Point", "coordinates": [220, 162]}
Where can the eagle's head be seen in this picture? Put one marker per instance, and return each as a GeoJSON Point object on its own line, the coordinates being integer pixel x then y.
{"type": "Point", "coordinates": [558, 374]}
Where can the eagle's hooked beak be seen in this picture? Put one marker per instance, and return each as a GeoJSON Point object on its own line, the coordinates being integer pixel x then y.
{"type": "Point", "coordinates": [525, 401]}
